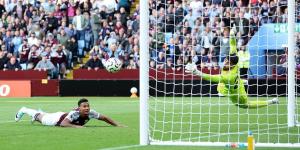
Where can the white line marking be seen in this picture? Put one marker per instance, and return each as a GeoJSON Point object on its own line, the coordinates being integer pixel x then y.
{"type": "Point", "coordinates": [64, 101]}
{"type": "Point", "coordinates": [121, 147]}
{"type": "Point", "coordinates": [11, 121]}
{"type": "Point", "coordinates": [238, 133]}
{"type": "Point", "coordinates": [37, 102]}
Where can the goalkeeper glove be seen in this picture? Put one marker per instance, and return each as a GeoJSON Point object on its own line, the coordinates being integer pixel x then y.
{"type": "Point", "coordinates": [232, 34]}
{"type": "Point", "coordinates": [192, 68]}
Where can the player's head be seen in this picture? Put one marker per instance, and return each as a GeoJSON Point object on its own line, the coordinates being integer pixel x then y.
{"type": "Point", "coordinates": [84, 106]}
{"type": "Point", "coordinates": [230, 61]}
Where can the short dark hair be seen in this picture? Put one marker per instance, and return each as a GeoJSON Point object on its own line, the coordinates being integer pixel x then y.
{"type": "Point", "coordinates": [83, 100]}
{"type": "Point", "coordinates": [233, 59]}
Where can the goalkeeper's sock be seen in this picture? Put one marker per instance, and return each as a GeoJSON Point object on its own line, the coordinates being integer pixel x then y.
{"type": "Point", "coordinates": [257, 104]}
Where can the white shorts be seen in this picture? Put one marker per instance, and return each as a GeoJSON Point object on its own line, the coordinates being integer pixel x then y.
{"type": "Point", "coordinates": [51, 119]}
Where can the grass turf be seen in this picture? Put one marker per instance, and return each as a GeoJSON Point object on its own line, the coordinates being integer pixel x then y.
{"type": "Point", "coordinates": [98, 135]}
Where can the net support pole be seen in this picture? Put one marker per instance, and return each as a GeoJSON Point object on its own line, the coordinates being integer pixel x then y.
{"type": "Point", "coordinates": [291, 64]}
{"type": "Point", "coordinates": [144, 72]}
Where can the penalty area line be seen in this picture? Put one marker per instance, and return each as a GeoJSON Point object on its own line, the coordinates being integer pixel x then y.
{"type": "Point", "coordinates": [121, 147]}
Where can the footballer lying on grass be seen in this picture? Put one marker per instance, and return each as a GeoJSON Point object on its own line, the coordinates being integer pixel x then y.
{"type": "Point", "coordinates": [75, 118]}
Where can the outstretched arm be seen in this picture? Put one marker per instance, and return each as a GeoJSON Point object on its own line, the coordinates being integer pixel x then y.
{"type": "Point", "coordinates": [232, 42]}
{"type": "Point", "coordinates": [192, 68]}
{"type": "Point", "coordinates": [212, 78]}
{"type": "Point", "coordinates": [109, 121]}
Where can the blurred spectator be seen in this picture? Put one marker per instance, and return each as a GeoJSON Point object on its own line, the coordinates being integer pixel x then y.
{"type": "Point", "coordinates": [282, 65]}
{"type": "Point", "coordinates": [298, 59]}
{"type": "Point", "coordinates": [13, 64]}
{"type": "Point", "coordinates": [3, 59]}
{"type": "Point", "coordinates": [203, 58]}
{"type": "Point", "coordinates": [96, 50]}
{"type": "Point", "coordinates": [96, 26]}
{"type": "Point", "coordinates": [132, 64]}
{"type": "Point", "coordinates": [32, 40]}
{"type": "Point", "coordinates": [80, 23]}
{"type": "Point", "coordinates": [62, 37]}
{"type": "Point", "coordinates": [72, 46]}
{"type": "Point", "coordinates": [244, 62]}
{"type": "Point", "coordinates": [152, 64]}
{"type": "Point", "coordinates": [224, 45]}
{"type": "Point", "coordinates": [16, 43]}
{"type": "Point", "coordinates": [194, 57]}
{"type": "Point", "coordinates": [211, 63]}
{"type": "Point", "coordinates": [135, 24]}
{"type": "Point", "coordinates": [170, 64]}
{"type": "Point", "coordinates": [88, 35]}
{"type": "Point", "coordinates": [125, 4]}
{"type": "Point", "coordinates": [52, 23]}
{"type": "Point", "coordinates": [59, 60]}
{"type": "Point", "coordinates": [33, 57]}
{"type": "Point", "coordinates": [179, 64]}
{"type": "Point", "coordinates": [114, 51]}
{"type": "Point", "coordinates": [206, 40]}
{"type": "Point", "coordinates": [94, 63]}
{"type": "Point", "coordinates": [24, 54]}
{"type": "Point", "coordinates": [172, 50]}
{"type": "Point", "coordinates": [242, 26]}
{"type": "Point", "coordinates": [161, 60]}
{"type": "Point", "coordinates": [46, 65]}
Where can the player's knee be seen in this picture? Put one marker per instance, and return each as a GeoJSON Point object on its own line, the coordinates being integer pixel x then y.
{"type": "Point", "coordinates": [39, 117]}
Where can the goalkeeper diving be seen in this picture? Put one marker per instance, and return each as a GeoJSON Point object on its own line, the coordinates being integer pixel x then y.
{"type": "Point", "coordinates": [229, 82]}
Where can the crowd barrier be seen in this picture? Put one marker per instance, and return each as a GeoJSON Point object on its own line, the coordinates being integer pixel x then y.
{"type": "Point", "coordinates": [18, 84]}
{"type": "Point", "coordinates": [133, 74]}
{"type": "Point", "coordinates": [23, 75]}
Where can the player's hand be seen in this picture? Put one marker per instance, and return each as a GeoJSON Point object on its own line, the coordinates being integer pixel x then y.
{"type": "Point", "coordinates": [192, 69]}
{"type": "Point", "coordinates": [232, 34]}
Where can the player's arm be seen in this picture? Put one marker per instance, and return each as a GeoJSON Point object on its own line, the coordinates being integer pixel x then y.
{"type": "Point", "coordinates": [212, 78]}
{"type": "Point", "coordinates": [108, 120]}
{"type": "Point", "coordinates": [67, 123]}
{"type": "Point", "coordinates": [192, 68]}
{"type": "Point", "coordinates": [232, 42]}
{"type": "Point", "coordinates": [96, 115]}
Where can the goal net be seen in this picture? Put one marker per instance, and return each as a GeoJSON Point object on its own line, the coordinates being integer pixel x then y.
{"type": "Point", "coordinates": [185, 109]}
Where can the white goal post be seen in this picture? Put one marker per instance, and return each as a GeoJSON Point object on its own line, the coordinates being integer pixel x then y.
{"type": "Point", "coordinates": [144, 72]}
{"type": "Point", "coordinates": [190, 118]}
{"type": "Point", "coordinates": [291, 61]}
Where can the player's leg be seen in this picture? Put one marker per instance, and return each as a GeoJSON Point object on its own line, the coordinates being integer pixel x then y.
{"type": "Point", "coordinates": [31, 112]}
{"type": "Point", "coordinates": [240, 99]}
{"type": "Point", "coordinates": [258, 103]}
{"type": "Point", "coordinates": [244, 103]}
{"type": "Point", "coordinates": [51, 119]}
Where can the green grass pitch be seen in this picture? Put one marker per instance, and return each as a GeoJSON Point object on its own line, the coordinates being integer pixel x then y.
{"type": "Point", "coordinates": [98, 135]}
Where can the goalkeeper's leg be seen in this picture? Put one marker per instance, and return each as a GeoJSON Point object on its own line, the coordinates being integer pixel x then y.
{"type": "Point", "coordinates": [244, 103]}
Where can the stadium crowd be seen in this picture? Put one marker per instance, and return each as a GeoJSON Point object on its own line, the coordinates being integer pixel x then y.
{"type": "Point", "coordinates": [54, 35]}
{"type": "Point", "coordinates": [198, 30]}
